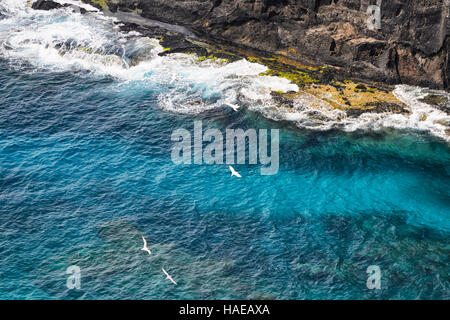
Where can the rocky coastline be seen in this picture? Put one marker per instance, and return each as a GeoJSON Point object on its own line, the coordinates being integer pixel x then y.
{"type": "Point", "coordinates": [411, 46]}
{"type": "Point", "coordinates": [324, 47]}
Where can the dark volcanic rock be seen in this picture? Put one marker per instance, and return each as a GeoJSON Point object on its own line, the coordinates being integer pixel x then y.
{"type": "Point", "coordinates": [378, 107]}
{"type": "Point", "coordinates": [46, 5]}
{"type": "Point", "coordinates": [412, 45]}
{"type": "Point", "coordinates": [439, 101]}
{"type": "Point", "coordinates": [436, 100]}
{"type": "Point", "coordinates": [76, 8]}
{"type": "Point", "coordinates": [50, 5]}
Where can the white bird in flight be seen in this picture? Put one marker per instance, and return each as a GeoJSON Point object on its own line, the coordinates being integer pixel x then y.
{"type": "Point", "coordinates": [145, 248]}
{"type": "Point", "coordinates": [174, 78]}
{"type": "Point", "coordinates": [235, 107]}
{"type": "Point", "coordinates": [169, 277]}
{"type": "Point", "coordinates": [234, 172]}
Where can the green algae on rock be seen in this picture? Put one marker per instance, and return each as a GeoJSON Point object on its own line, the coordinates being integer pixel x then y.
{"type": "Point", "coordinates": [437, 100]}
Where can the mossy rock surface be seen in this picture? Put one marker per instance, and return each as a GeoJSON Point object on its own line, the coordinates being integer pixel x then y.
{"type": "Point", "coordinates": [439, 101]}
{"type": "Point", "coordinates": [355, 100]}
{"type": "Point", "coordinates": [330, 86]}
{"type": "Point", "coordinates": [435, 99]}
{"type": "Point", "coordinates": [99, 4]}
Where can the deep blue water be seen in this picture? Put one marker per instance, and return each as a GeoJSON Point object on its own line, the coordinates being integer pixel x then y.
{"type": "Point", "coordinates": [86, 172]}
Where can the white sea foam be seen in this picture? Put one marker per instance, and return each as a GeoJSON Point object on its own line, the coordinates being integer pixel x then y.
{"type": "Point", "coordinates": [424, 116]}
{"type": "Point", "coordinates": [312, 113]}
{"type": "Point", "coordinates": [64, 40]}
{"type": "Point", "coordinates": [61, 39]}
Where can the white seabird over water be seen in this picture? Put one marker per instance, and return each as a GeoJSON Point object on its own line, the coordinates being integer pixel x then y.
{"type": "Point", "coordinates": [169, 277]}
{"type": "Point", "coordinates": [145, 248]}
{"type": "Point", "coordinates": [235, 107]}
{"type": "Point", "coordinates": [234, 172]}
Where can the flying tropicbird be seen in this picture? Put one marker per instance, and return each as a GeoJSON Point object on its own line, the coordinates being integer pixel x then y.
{"type": "Point", "coordinates": [169, 277]}
{"type": "Point", "coordinates": [145, 248]}
{"type": "Point", "coordinates": [174, 78]}
{"type": "Point", "coordinates": [234, 172]}
{"type": "Point", "coordinates": [235, 107]}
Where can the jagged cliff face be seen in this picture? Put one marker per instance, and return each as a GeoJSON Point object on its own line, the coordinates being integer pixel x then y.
{"type": "Point", "coordinates": [411, 47]}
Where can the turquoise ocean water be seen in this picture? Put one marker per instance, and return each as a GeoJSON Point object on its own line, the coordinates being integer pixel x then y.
{"type": "Point", "coordinates": [86, 172]}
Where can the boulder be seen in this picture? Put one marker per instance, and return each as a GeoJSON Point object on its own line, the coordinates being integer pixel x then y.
{"type": "Point", "coordinates": [46, 5]}
{"type": "Point", "coordinates": [50, 5]}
